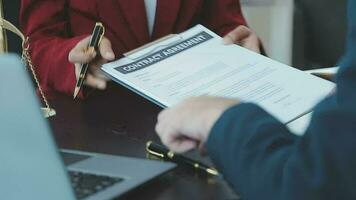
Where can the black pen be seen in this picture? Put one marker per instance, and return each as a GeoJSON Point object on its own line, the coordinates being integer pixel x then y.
{"type": "Point", "coordinates": [96, 37]}
{"type": "Point", "coordinates": [162, 152]}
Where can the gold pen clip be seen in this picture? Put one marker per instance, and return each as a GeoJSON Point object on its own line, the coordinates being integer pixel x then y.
{"type": "Point", "coordinates": [103, 33]}
{"type": "Point", "coordinates": [148, 144]}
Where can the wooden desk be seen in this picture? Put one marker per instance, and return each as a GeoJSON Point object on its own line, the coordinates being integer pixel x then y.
{"type": "Point", "coordinates": [119, 122]}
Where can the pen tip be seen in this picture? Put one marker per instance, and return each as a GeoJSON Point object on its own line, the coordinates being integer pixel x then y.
{"type": "Point", "coordinates": [76, 92]}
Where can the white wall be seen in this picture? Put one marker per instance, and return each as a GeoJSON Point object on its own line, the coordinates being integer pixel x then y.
{"type": "Point", "coordinates": [272, 20]}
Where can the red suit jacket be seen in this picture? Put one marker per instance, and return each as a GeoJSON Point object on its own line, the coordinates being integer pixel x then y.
{"type": "Point", "coordinates": [56, 26]}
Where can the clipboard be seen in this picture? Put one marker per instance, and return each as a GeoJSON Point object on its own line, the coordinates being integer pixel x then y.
{"type": "Point", "coordinates": [145, 51]}
{"type": "Point", "coordinates": [205, 66]}
{"type": "Point", "coordinates": [152, 47]}
{"type": "Point", "coordinates": [148, 49]}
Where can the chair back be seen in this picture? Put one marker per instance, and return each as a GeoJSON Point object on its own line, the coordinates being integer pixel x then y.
{"type": "Point", "coordinates": [9, 41]}
{"type": "Point", "coordinates": [3, 38]}
{"type": "Point", "coordinates": [319, 33]}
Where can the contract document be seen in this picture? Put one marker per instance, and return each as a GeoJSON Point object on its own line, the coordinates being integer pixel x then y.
{"type": "Point", "coordinates": [196, 63]}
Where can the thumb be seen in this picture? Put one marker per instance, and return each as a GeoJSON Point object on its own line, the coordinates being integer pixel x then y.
{"type": "Point", "coordinates": [80, 53]}
{"type": "Point", "coordinates": [236, 35]}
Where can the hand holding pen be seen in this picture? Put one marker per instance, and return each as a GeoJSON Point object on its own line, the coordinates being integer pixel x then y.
{"type": "Point", "coordinates": [85, 53]}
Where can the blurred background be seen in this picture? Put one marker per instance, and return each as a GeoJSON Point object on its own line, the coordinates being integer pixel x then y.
{"type": "Point", "coordinates": [306, 34]}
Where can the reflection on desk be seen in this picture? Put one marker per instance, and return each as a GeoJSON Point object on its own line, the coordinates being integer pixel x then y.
{"type": "Point", "coordinates": [119, 122]}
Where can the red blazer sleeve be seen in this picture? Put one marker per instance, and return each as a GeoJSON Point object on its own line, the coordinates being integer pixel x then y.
{"type": "Point", "coordinates": [46, 24]}
{"type": "Point", "coordinates": [222, 16]}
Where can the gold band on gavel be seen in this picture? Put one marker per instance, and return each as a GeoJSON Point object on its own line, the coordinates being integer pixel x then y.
{"type": "Point", "coordinates": [26, 58]}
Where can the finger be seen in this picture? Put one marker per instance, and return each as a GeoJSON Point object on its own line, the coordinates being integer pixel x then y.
{"type": "Point", "coordinates": [237, 35]}
{"type": "Point", "coordinates": [183, 145]}
{"type": "Point", "coordinates": [176, 142]}
{"type": "Point", "coordinates": [166, 134]}
{"type": "Point", "coordinates": [81, 56]}
{"type": "Point", "coordinates": [161, 122]}
{"type": "Point", "coordinates": [161, 128]}
{"type": "Point", "coordinates": [100, 75]}
{"type": "Point", "coordinates": [97, 64]}
{"type": "Point", "coordinates": [80, 53]}
{"type": "Point", "coordinates": [94, 82]}
{"type": "Point", "coordinates": [158, 129]}
{"type": "Point", "coordinates": [162, 115]}
{"type": "Point", "coordinates": [96, 71]}
{"type": "Point", "coordinates": [161, 134]}
{"type": "Point", "coordinates": [105, 50]}
{"type": "Point", "coordinates": [169, 130]}
{"type": "Point", "coordinates": [252, 43]}
{"type": "Point", "coordinates": [166, 131]}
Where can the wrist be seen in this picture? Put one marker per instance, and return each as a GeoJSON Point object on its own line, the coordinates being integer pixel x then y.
{"type": "Point", "coordinates": [214, 115]}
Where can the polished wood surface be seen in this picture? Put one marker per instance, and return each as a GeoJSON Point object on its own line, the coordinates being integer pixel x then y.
{"type": "Point", "coordinates": [120, 122]}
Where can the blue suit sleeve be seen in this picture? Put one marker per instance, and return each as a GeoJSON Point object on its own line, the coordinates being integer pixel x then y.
{"type": "Point", "coordinates": [261, 159]}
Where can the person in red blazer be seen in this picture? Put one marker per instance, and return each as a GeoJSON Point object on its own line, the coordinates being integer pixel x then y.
{"type": "Point", "coordinates": [59, 32]}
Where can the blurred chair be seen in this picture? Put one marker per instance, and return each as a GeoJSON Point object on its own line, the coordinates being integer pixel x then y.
{"type": "Point", "coordinates": [11, 10]}
{"type": "Point", "coordinates": [319, 33]}
{"type": "Point", "coordinates": [272, 20]}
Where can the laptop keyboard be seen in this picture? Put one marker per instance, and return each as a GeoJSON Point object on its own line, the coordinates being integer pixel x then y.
{"type": "Point", "coordinates": [86, 184]}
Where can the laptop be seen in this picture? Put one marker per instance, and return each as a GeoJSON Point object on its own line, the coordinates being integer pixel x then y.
{"type": "Point", "coordinates": [31, 165]}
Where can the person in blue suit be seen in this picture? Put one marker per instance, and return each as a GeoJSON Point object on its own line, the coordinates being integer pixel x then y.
{"type": "Point", "coordinates": [259, 156]}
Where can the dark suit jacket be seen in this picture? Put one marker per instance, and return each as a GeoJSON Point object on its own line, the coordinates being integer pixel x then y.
{"type": "Point", "coordinates": [55, 27]}
{"type": "Point", "coordinates": [263, 160]}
